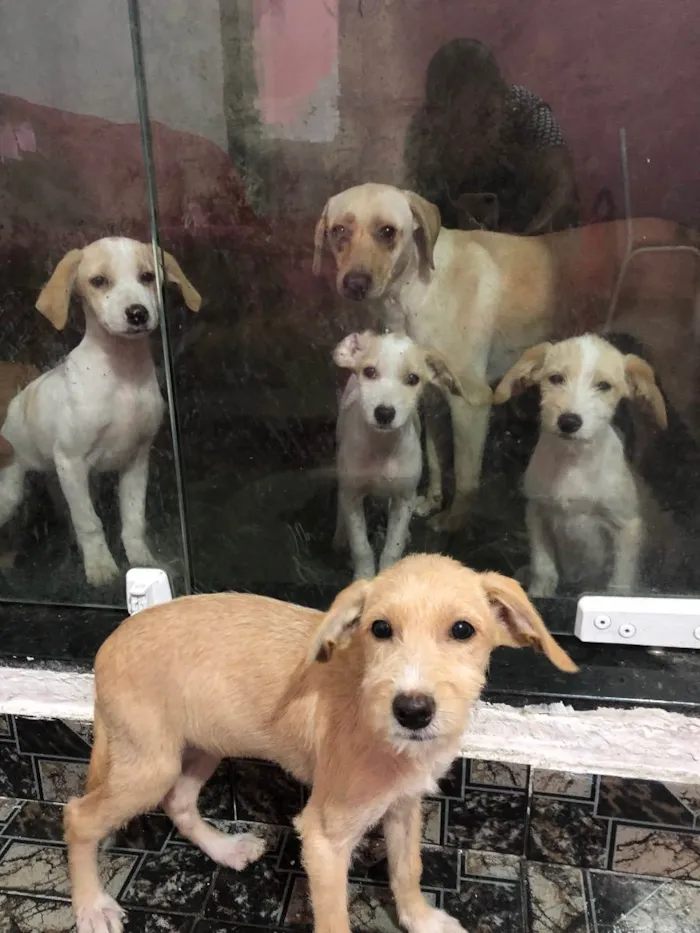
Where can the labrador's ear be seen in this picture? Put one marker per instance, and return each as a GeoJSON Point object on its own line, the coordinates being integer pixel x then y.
{"type": "Point", "coordinates": [174, 273]}
{"type": "Point", "coordinates": [338, 624]}
{"type": "Point", "coordinates": [519, 623]}
{"type": "Point", "coordinates": [642, 386]}
{"type": "Point", "coordinates": [523, 374]}
{"type": "Point", "coordinates": [426, 217]}
{"type": "Point", "coordinates": [54, 300]}
{"type": "Point", "coordinates": [320, 239]}
{"type": "Point", "coordinates": [351, 349]}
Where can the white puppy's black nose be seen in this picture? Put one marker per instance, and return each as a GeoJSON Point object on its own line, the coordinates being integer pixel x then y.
{"type": "Point", "coordinates": [384, 415]}
{"type": "Point", "coordinates": [569, 423]}
{"type": "Point", "coordinates": [136, 315]}
{"type": "Point", "coordinates": [413, 710]}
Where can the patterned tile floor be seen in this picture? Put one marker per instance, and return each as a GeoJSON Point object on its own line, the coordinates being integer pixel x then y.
{"type": "Point", "coordinates": [506, 850]}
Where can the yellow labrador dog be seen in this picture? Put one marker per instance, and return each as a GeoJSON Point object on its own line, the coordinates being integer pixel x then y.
{"type": "Point", "coordinates": [368, 703]}
{"type": "Point", "coordinates": [483, 298]}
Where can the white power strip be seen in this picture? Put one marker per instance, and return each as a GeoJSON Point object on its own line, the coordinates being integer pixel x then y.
{"type": "Point", "coordinates": [655, 622]}
{"type": "Point", "coordinates": [146, 586]}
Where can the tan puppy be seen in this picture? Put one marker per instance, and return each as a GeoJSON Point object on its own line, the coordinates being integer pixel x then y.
{"type": "Point", "coordinates": [483, 298]}
{"type": "Point", "coordinates": [367, 703]}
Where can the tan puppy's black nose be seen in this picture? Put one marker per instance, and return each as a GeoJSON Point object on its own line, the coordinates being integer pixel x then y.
{"type": "Point", "coordinates": [413, 710]}
{"type": "Point", "coordinates": [136, 315]}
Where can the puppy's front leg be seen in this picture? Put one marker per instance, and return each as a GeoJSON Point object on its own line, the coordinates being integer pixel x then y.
{"type": "Point", "coordinates": [400, 512]}
{"type": "Point", "coordinates": [326, 859]}
{"type": "Point", "coordinates": [432, 500]}
{"type": "Point", "coordinates": [627, 541]}
{"type": "Point", "coordinates": [351, 505]}
{"type": "Point", "coordinates": [133, 483]}
{"type": "Point", "coordinates": [402, 825]}
{"type": "Point", "coordinates": [73, 475]}
{"type": "Point", "coordinates": [543, 568]}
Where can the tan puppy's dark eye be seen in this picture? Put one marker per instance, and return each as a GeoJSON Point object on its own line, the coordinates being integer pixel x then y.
{"type": "Point", "coordinates": [412, 379]}
{"type": "Point", "coordinates": [387, 233]}
{"type": "Point", "coordinates": [557, 379]}
{"type": "Point", "coordinates": [99, 281]}
{"type": "Point", "coordinates": [369, 372]}
{"type": "Point", "coordinates": [338, 230]}
{"type": "Point", "coordinates": [462, 630]}
{"type": "Point", "coordinates": [146, 278]}
{"type": "Point", "coordinates": [603, 386]}
{"type": "Point", "coordinates": [381, 629]}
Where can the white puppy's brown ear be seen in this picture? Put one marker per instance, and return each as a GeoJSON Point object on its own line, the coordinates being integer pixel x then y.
{"type": "Point", "coordinates": [523, 374]}
{"type": "Point", "coordinates": [320, 239]}
{"type": "Point", "coordinates": [54, 300]}
{"type": "Point", "coordinates": [174, 273]}
{"type": "Point", "coordinates": [519, 623]}
{"type": "Point", "coordinates": [442, 376]}
{"type": "Point", "coordinates": [338, 624]}
{"type": "Point", "coordinates": [351, 349]}
{"type": "Point", "coordinates": [426, 218]}
{"type": "Point", "coordinates": [642, 386]}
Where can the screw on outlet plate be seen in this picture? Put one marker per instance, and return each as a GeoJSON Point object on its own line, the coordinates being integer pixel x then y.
{"type": "Point", "coordinates": [627, 630]}
{"type": "Point", "coordinates": [602, 622]}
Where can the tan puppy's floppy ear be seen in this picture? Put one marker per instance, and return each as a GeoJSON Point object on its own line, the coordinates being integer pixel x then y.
{"type": "Point", "coordinates": [427, 218]}
{"type": "Point", "coordinates": [54, 300]}
{"type": "Point", "coordinates": [523, 374]}
{"type": "Point", "coordinates": [339, 622]}
{"type": "Point", "coordinates": [320, 239]}
{"type": "Point", "coordinates": [351, 349]}
{"type": "Point", "coordinates": [519, 622]}
{"type": "Point", "coordinates": [442, 376]}
{"type": "Point", "coordinates": [174, 273]}
{"type": "Point", "coordinates": [642, 386]}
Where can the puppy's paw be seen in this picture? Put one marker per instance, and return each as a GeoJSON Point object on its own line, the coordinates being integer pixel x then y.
{"type": "Point", "coordinates": [433, 920]}
{"type": "Point", "coordinates": [450, 520]}
{"type": "Point", "coordinates": [139, 554]}
{"type": "Point", "coordinates": [542, 586]}
{"type": "Point", "coordinates": [100, 568]}
{"type": "Point", "coordinates": [426, 505]}
{"type": "Point", "coordinates": [103, 915]}
{"type": "Point", "coordinates": [236, 851]}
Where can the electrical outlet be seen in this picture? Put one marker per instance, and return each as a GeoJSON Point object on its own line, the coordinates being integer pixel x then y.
{"type": "Point", "coordinates": [146, 586]}
{"type": "Point", "coordinates": [652, 621]}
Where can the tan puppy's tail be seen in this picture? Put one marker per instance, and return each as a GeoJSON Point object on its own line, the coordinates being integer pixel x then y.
{"type": "Point", "coordinates": [99, 759]}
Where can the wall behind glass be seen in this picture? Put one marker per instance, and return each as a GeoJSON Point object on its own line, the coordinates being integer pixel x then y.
{"type": "Point", "coordinates": [283, 104]}
{"type": "Point", "coordinates": [71, 172]}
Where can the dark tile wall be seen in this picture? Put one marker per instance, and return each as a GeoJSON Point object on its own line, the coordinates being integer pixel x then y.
{"type": "Point", "coordinates": [506, 850]}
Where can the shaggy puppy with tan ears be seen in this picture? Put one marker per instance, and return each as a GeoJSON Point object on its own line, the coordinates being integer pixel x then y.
{"type": "Point", "coordinates": [367, 703]}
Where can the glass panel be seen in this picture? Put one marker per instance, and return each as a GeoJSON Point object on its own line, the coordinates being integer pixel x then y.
{"type": "Point", "coordinates": [547, 138]}
{"type": "Point", "coordinates": [81, 432]}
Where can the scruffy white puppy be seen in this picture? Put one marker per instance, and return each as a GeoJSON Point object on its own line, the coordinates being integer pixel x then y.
{"type": "Point", "coordinates": [583, 507]}
{"type": "Point", "coordinates": [378, 434]}
{"type": "Point", "coordinates": [101, 407]}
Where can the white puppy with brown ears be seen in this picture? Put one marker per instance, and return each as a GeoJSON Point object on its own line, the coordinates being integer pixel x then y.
{"type": "Point", "coordinates": [101, 407]}
{"type": "Point", "coordinates": [378, 434]}
{"type": "Point", "coordinates": [583, 507]}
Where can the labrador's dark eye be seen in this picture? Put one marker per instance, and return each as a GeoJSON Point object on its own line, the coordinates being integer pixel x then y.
{"type": "Point", "coordinates": [381, 629]}
{"type": "Point", "coordinates": [387, 233]}
{"type": "Point", "coordinates": [98, 281]}
{"type": "Point", "coordinates": [369, 372]}
{"type": "Point", "coordinates": [603, 386]}
{"type": "Point", "coordinates": [338, 230]}
{"type": "Point", "coordinates": [462, 630]}
{"type": "Point", "coordinates": [146, 278]}
{"type": "Point", "coordinates": [557, 379]}
{"type": "Point", "coordinates": [412, 379]}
